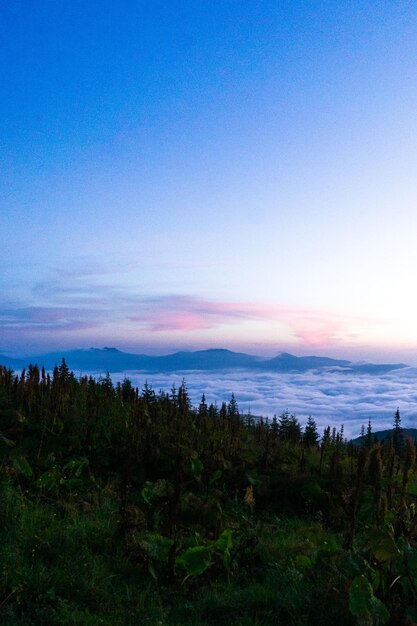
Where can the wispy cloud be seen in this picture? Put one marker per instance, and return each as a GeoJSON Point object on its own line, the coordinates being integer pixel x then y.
{"type": "Point", "coordinates": [307, 326]}
{"type": "Point", "coordinates": [89, 306]}
{"type": "Point", "coordinates": [38, 319]}
{"type": "Point", "coordinates": [86, 296]}
{"type": "Point", "coordinates": [187, 313]}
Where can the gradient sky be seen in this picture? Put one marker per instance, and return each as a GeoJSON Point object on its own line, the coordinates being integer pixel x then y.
{"type": "Point", "coordinates": [180, 175]}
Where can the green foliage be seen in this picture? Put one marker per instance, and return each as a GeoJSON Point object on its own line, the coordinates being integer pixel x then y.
{"type": "Point", "coordinates": [382, 545]}
{"type": "Point", "coordinates": [225, 541]}
{"type": "Point", "coordinates": [125, 507]}
{"type": "Point", "coordinates": [196, 466]}
{"type": "Point", "coordinates": [364, 605]}
{"type": "Point", "coordinates": [194, 561]}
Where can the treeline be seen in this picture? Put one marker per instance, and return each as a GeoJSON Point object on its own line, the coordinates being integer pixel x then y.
{"type": "Point", "coordinates": [127, 506]}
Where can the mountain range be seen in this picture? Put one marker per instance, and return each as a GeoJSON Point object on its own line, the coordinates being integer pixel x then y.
{"type": "Point", "coordinates": [114, 360]}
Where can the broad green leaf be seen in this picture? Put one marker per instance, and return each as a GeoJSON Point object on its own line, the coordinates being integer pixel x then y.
{"type": "Point", "coordinates": [360, 596]}
{"type": "Point", "coordinates": [22, 467]}
{"type": "Point", "coordinates": [71, 483]}
{"type": "Point", "coordinates": [412, 489]}
{"type": "Point", "coordinates": [194, 561]}
{"type": "Point", "coordinates": [383, 546]}
{"type": "Point", "coordinates": [376, 580]}
{"type": "Point", "coordinates": [197, 466]}
{"type": "Point", "coordinates": [49, 480]}
{"type": "Point", "coordinates": [364, 605]}
{"type": "Point", "coordinates": [156, 546]}
{"type": "Point", "coordinates": [224, 542]}
{"type": "Point", "coordinates": [77, 466]}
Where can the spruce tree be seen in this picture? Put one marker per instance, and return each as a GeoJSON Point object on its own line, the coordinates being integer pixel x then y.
{"type": "Point", "coordinates": [311, 435]}
{"type": "Point", "coordinates": [398, 438]}
{"type": "Point", "coordinates": [203, 408]}
{"type": "Point", "coordinates": [369, 437]}
{"type": "Point", "coordinates": [232, 408]}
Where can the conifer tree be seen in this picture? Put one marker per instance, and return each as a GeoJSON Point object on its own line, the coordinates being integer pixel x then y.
{"type": "Point", "coordinates": [63, 371]}
{"type": "Point", "coordinates": [184, 403]}
{"type": "Point", "coordinates": [213, 411]}
{"type": "Point", "coordinates": [284, 425]}
{"type": "Point", "coordinates": [326, 436]}
{"type": "Point", "coordinates": [311, 435]}
{"type": "Point", "coordinates": [369, 437]}
{"type": "Point", "coordinates": [232, 408]}
{"type": "Point", "coordinates": [203, 408]}
{"type": "Point", "coordinates": [398, 438]}
{"type": "Point", "coordinates": [223, 411]}
{"type": "Point", "coordinates": [274, 426]}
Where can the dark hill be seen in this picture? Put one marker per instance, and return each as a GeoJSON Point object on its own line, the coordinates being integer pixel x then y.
{"type": "Point", "coordinates": [383, 435]}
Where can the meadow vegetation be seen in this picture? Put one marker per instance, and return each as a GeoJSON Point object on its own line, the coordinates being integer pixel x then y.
{"type": "Point", "coordinates": [122, 506]}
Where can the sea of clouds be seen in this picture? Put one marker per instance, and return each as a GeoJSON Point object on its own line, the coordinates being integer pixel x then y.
{"type": "Point", "coordinates": [330, 397]}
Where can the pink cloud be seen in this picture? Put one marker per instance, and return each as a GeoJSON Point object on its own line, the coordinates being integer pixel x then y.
{"type": "Point", "coordinates": [175, 321]}
{"type": "Point", "coordinates": [112, 316]}
{"type": "Point", "coordinates": [185, 313]}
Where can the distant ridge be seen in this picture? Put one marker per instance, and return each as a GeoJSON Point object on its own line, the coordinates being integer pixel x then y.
{"type": "Point", "coordinates": [11, 363]}
{"type": "Point", "coordinates": [383, 435]}
{"type": "Point", "coordinates": [114, 360]}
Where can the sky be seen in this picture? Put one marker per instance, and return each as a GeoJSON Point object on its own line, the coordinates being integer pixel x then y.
{"type": "Point", "coordinates": [194, 174]}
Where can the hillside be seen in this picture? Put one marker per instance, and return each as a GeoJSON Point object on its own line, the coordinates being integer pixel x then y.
{"type": "Point", "coordinates": [122, 506]}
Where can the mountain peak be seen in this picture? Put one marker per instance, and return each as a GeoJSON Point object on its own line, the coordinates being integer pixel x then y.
{"type": "Point", "coordinates": [113, 360]}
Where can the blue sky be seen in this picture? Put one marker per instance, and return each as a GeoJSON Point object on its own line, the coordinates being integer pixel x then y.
{"type": "Point", "coordinates": [197, 174]}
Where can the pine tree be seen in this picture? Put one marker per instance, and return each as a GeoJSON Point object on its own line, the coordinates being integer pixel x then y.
{"type": "Point", "coordinates": [203, 408]}
{"type": "Point", "coordinates": [398, 438]}
{"type": "Point", "coordinates": [369, 437]}
{"type": "Point", "coordinates": [284, 425]}
{"type": "Point", "coordinates": [184, 403]}
{"type": "Point", "coordinates": [63, 371]}
{"type": "Point", "coordinates": [326, 436]}
{"type": "Point", "coordinates": [213, 411]}
{"type": "Point", "coordinates": [289, 428]}
{"type": "Point", "coordinates": [340, 437]}
{"type": "Point", "coordinates": [294, 429]}
{"type": "Point", "coordinates": [148, 394]}
{"type": "Point", "coordinates": [274, 426]}
{"type": "Point", "coordinates": [126, 389]}
{"type": "Point", "coordinates": [223, 411]}
{"type": "Point", "coordinates": [232, 408]}
{"type": "Point", "coordinates": [311, 435]}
